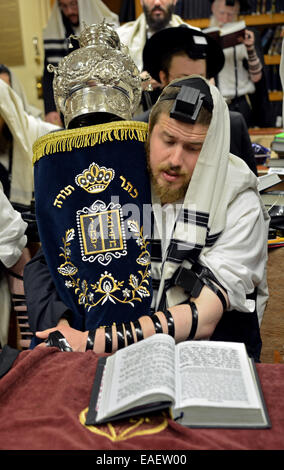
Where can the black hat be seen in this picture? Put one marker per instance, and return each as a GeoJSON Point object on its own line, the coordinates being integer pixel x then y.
{"type": "Point", "coordinates": [195, 43]}
{"type": "Point", "coordinates": [244, 4]}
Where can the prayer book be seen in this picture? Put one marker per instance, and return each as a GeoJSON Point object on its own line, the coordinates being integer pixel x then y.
{"type": "Point", "coordinates": [277, 145]}
{"type": "Point", "coordinates": [267, 181]}
{"type": "Point", "coordinates": [229, 35]}
{"type": "Point", "coordinates": [275, 162]}
{"type": "Point", "coordinates": [202, 383]}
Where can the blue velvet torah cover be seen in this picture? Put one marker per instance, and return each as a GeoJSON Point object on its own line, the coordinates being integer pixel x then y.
{"type": "Point", "coordinates": [93, 209]}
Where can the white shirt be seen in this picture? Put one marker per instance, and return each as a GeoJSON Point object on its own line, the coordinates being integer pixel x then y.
{"type": "Point", "coordinates": [228, 82]}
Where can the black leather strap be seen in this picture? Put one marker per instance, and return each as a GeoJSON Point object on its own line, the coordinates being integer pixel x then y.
{"type": "Point", "coordinates": [216, 291]}
{"type": "Point", "coordinates": [157, 324]}
{"type": "Point", "coordinates": [90, 340]}
{"type": "Point", "coordinates": [138, 330]}
{"type": "Point", "coordinates": [194, 323]}
{"type": "Point", "coordinates": [17, 276]}
{"type": "Point", "coordinates": [56, 339]}
{"type": "Point", "coordinates": [171, 323]}
{"type": "Point", "coordinates": [108, 339]}
{"type": "Point", "coordinates": [128, 333]}
{"type": "Point", "coordinates": [120, 336]}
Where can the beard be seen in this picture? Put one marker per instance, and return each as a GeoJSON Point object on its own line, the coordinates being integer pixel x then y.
{"type": "Point", "coordinates": [166, 190]}
{"type": "Point", "coordinates": [156, 24]}
{"type": "Point", "coordinates": [74, 20]}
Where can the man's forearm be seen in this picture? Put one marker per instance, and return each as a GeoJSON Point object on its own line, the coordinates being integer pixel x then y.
{"type": "Point", "coordinates": [209, 311]}
{"type": "Point", "coordinates": [254, 65]}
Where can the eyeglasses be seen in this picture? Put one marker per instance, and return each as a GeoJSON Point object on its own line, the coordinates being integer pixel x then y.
{"type": "Point", "coordinates": [65, 6]}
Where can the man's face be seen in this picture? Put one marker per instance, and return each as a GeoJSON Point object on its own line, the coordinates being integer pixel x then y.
{"type": "Point", "coordinates": [223, 13]}
{"type": "Point", "coordinates": [158, 12]}
{"type": "Point", "coordinates": [172, 155]}
{"type": "Point", "coordinates": [182, 66]}
{"type": "Point", "coordinates": [69, 9]}
{"type": "Point", "coordinates": [5, 77]}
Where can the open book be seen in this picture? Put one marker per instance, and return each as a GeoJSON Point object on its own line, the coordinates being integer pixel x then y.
{"type": "Point", "coordinates": [230, 35]}
{"type": "Point", "coordinates": [267, 181]}
{"type": "Point", "coordinates": [205, 383]}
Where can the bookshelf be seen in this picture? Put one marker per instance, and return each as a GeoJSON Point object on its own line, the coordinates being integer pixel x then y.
{"type": "Point", "coordinates": [258, 21]}
{"type": "Point", "coordinates": [272, 59]}
{"type": "Point", "coordinates": [250, 20]}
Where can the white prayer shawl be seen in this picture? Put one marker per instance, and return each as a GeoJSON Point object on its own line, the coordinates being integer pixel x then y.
{"type": "Point", "coordinates": [218, 178]}
{"type": "Point", "coordinates": [25, 129]}
{"type": "Point", "coordinates": [90, 12]}
{"type": "Point", "coordinates": [133, 35]}
{"type": "Point", "coordinates": [19, 89]}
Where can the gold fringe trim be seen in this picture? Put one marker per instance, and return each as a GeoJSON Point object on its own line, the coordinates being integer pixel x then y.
{"type": "Point", "coordinates": [67, 140]}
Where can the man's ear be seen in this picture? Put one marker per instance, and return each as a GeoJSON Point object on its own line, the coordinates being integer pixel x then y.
{"type": "Point", "coordinates": [163, 78]}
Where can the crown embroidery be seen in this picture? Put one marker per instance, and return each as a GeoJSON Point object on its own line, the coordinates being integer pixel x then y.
{"type": "Point", "coordinates": [95, 179]}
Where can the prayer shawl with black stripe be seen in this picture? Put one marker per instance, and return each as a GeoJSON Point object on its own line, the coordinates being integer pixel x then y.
{"type": "Point", "coordinates": [55, 34]}
{"type": "Point", "coordinates": [218, 178]}
{"type": "Point", "coordinates": [56, 42]}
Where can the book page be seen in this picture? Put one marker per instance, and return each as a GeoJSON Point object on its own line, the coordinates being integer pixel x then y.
{"type": "Point", "coordinates": [214, 374]}
{"type": "Point", "coordinates": [142, 369]}
{"type": "Point", "coordinates": [229, 28]}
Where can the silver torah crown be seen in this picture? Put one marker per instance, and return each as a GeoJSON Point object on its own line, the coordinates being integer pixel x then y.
{"type": "Point", "coordinates": [100, 76]}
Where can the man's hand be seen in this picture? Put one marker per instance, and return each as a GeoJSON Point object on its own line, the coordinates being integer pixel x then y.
{"type": "Point", "coordinates": [148, 83]}
{"type": "Point", "coordinates": [76, 339]}
{"type": "Point", "coordinates": [249, 39]}
{"type": "Point", "coordinates": [54, 118]}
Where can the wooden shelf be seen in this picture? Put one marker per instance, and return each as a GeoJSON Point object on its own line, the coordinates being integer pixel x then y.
{"type": "Point", "coordinates": [272, 59]}
{"type": "Point", "coordinates": [198, 22]}
{"type": "Point", "coordinates": [251, 20]}
{"type": "Point", "coordinates": [275, 95]}
{"type": "Point", "coordinates": [257, 20]}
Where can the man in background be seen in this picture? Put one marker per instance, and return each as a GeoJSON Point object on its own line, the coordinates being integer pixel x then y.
{"type": "Point", "coordinates": [242, 81]}
{"type": "Point", "coordinates": [66, 19]}
{"type": "Point", "coordinates": [157, 15]}
{"type": "Point", "coordinates": [177, 52]}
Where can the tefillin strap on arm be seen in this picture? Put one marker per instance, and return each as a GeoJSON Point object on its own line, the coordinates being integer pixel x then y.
{"type": "Point", "coordinates": [192, 282]}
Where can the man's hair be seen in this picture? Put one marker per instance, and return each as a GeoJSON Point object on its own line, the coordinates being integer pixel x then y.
{"type": "Point", "coordinates": [165, 106]}
{"type": "Point", "coordinates": [166, 60]}
{"type": "Point", "coordinates": [4, 69]}
{"type": "Point", "coordinates": [237, 3]}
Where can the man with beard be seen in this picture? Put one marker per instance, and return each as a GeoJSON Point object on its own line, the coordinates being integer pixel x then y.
{"type": "Point", "coordinates": [66, 19]}
{"type": "Point", "coordinates": [157, 15]}
{"type": "Point", "coordinates": [209, 245]}
{"type": "Point", "coordinates": [178, 52]}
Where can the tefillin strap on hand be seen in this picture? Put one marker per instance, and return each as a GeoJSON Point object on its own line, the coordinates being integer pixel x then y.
{"type": "Point", "coordinates": [57, 340]}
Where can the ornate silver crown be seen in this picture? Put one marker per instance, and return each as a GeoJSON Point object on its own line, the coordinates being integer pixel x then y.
{"type": "Point", "coordinates": [100, 76]}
